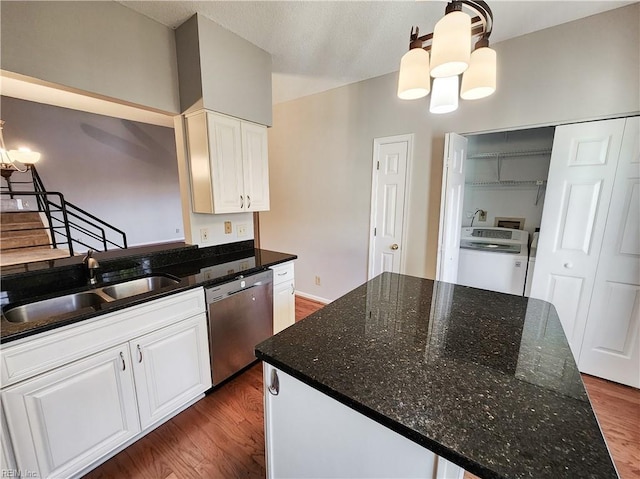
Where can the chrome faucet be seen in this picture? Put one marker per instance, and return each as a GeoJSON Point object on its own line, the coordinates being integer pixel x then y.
{"type": "Point", "coordinates": [92, 266]}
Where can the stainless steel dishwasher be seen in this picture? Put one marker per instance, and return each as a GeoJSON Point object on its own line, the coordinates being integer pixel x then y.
{"type": "Point", "coordinates": [240, 317]}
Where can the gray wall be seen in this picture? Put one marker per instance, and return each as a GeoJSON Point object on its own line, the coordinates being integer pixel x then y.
{"type": "Point", "coordinates": [98, 47]}
{"type": "Point", "coordinates": [223, 72]}
{"type": "Point", "coordinates": [321, 146]}
{"type": "Point", "coordinates": [124, 172]}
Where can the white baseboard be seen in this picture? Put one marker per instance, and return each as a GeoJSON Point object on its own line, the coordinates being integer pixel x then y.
{"type": "Point", "coordinates": [312, 297]}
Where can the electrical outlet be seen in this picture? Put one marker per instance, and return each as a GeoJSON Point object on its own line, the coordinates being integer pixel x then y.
{"type": "Point", "coordinates": [482, 216]}
{"type": "Point", "coordinates": [317, 280]}
{"type": "Point", "coordinates": [227, 227]}
{"type": "Point", "coordinates": [204, 234]}
{"type": "Point", "coordinates": [242, 230]}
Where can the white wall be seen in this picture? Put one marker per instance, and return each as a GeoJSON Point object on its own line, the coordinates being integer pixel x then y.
{"type": "Point", "coordinates": [98, 47]}
{"type": "Point", "coordinates": [121, 171]}
{"type": "Point", "coordinates": [320, 146]}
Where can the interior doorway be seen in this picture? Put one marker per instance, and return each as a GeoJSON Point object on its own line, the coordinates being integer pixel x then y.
{"type": "Point", "coordinates": [494, 181]}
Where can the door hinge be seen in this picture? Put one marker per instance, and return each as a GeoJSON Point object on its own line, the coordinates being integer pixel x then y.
{"type": "Point", "coordinates": [377, 165]}
{"type": "Point", "coordinates": [375, 231]}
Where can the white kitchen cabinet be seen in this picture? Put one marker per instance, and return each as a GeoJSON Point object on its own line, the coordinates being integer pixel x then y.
{"type": "Point", "coordinates": [171, 367]}
{"type": "Point", "coordinates": [228, 164]}
{"type": "Point", "coordinates": [76, 395]}
{"type": "Point", "coordinates": [309, 434]}
{"type": "Point", "coordinates": [284, 302]}
{"type": "Point", "coordinates": [62, 421]}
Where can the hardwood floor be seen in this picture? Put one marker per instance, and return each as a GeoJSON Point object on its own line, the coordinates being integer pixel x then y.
{"type": "Point", "coordinates": [222, 436]}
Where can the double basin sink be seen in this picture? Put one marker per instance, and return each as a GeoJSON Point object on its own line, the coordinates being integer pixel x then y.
{"type": "Point", "coordinates": [70, 304]}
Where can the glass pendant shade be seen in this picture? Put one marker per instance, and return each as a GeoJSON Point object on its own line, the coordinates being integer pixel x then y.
{"type": "Point", "coordinates": [24, 155]}
{"type": "Point", "coordinates": [479, 80]}
{"type": "Point", "coordinates": [414, 80]}
{"type": "Point", "coordinates": [451, 46]}
{"type": "Point", "coordinates": [444, 97]}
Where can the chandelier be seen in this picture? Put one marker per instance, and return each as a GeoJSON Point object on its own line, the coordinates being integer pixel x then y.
{"type": "Point", "coordinates": [15, 160]}
{"type": "Point", "coordinates": [451, 56]}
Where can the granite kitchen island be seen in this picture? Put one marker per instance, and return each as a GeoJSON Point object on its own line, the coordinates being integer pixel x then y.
{"type": "Point", "coordinates": [474, 379]}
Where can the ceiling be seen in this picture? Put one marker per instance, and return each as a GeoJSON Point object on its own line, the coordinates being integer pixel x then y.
{"type": "Point", "coordinates": [319, 45]}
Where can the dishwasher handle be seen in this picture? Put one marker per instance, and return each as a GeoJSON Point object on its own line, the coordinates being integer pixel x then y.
{"type": "Point", "coordinates": [255, 285]}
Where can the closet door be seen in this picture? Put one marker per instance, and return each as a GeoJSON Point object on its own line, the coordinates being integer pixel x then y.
{"type": "Point", "coordinates": [581, 174]}
{"type": "Point", "coordinates": [611, 347]}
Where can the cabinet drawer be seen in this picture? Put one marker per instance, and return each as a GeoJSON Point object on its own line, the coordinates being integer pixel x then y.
{"type": "Point", "coordinates": [283, 272]}
{"type": "Point", "coordinates": [48, 350]}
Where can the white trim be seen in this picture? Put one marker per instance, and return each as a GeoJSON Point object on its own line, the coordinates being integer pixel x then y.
{"type": "Point", "coordinates": [377, 142]}
{"type": "Point", "coordinates": [312, 297]}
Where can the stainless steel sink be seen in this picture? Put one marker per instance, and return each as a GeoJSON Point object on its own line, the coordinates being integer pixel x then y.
{"type": "Point", "coordinates": [48, 308]}
{"type": "Point", "coordinates": [73, 303]}
{"type": "Point", "coordinates": [138, 286]}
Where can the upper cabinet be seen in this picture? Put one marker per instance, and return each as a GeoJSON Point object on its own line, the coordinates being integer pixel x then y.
{"type": "Point", "coordinates": [228, 164]}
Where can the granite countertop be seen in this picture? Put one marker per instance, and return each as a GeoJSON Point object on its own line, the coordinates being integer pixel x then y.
{"type": "Point", "coordinates": [483, 379]}
{"type": "Point", "coordinates": [190, 265]}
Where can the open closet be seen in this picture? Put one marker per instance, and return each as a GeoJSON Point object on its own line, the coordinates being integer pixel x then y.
{"type": "Point", "coordinates": [573, 191]}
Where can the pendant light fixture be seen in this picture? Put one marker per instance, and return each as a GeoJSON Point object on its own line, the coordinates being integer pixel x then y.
{"type": "Point", "coordinates": [11, 160]}
{"type": "Point", "coordinates": [451, 56]}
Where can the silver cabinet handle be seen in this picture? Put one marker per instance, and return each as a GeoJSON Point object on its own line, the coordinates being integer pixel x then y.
{"type": "Point", "coordinates": [274, 387]}
{"type": "Point", "coordinates": [124, 366]}
{"type": "Point", "coordinates": [248, 201]}
{"type": "Point", "coordinates": [241, 201]}
{"type": "Point", "coordinates": [139, 354]}
{"type": "Point", "coordinates": [293, 290]}
{"type": "Point", "coordinates": [282, 274]}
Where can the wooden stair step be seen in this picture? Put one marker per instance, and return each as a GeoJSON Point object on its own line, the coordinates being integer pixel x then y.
{"type": "Point", "coordinates": [20, 242]}
{"type": "Point", "coordinates": [19, 216]}
{"type": "Point", "coordinates": [26, 225]}
{"type": "Point", "coordinates": [24, 233]}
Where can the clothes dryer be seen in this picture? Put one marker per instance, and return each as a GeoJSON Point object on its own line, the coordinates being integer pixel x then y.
{"type": "Point", "coordinates": [493, 258]}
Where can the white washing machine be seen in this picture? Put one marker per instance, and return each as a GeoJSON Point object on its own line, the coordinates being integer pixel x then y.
{"type": "Point", "coordinates": [494, 259]}
{"type": "Point", "coordinates": [533, 249]}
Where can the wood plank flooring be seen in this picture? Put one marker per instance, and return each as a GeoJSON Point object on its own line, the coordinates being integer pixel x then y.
{"type": "Point", "coordinates": [222, 436]}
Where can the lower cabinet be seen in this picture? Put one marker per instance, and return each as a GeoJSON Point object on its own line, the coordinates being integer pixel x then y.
{"type": "Point", "coordinates": [284, 300]}
{"type": "Point", "coordinates": [65, 421]}
{"type": "Point", "coordinates": [170, 367]}
{"type": "Point", "coordinates": [309, 434]}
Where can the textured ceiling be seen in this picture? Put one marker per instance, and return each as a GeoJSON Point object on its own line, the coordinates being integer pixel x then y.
{"type": "Point", "coordinates": [319, 45]}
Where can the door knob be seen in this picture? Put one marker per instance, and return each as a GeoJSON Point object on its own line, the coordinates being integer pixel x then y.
{"type": "Point", "coordinates": [568, 265]}
{"type": "Point", "coordinates": [394, 246]}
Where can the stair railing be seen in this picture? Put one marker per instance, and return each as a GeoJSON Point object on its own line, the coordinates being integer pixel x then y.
{"type": "Point", "coordinates": [64, 217]}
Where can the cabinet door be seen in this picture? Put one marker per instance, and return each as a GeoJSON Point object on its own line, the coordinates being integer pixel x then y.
{"type": "Point", "coordinates": [225, 150]}
{"type": "Point", "coordinates": [309, 434]}
{"type": "Point", "coordinates": [255, 166]}
{"type": "Point", "coordinates": [171, 367]}
{"type": "Point", "coordinates": [64, 420]}
{"type": "Point", "coordinates": [284, 306]}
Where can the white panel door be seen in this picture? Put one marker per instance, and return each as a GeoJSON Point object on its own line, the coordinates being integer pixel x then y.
{"type": "Point", "coordinates": [611, 347]}
{"type": "Point", "coordinates": [171, 367]}
{"type": "Point", "coordinates": [255, 167]}
{"type": "Point", "coordinates": [225, 150]}
{"type": "Point", "coordinates": [391, 156]}
{"type": "Point", "coordinates": [581, 174]}
{"type": "Point", "coordinates": [62, 421]}
{"type": "Point", "coordinates": [455, 157]}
